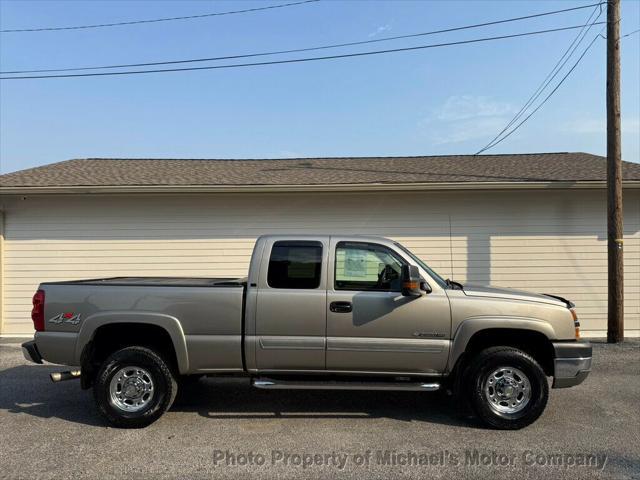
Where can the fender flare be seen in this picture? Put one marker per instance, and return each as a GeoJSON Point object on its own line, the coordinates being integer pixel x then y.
{"type": "Point", "coordinates": [472, 325]}
{"type": "Point", "coordinates": [168, 323]}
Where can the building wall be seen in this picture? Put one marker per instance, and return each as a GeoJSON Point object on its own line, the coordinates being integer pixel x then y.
{"type": "Point", "coordinates": [546, 241]}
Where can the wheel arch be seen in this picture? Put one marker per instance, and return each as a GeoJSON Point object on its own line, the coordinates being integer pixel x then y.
{"type": "Point", "coordinates": [150, 329]}
{"type": "Point", "coordinates": [530, 335]}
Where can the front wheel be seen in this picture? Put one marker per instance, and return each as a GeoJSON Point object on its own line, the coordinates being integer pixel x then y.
{"type": "Point", "coordinates": [509, 389]}
{"type": "Point", "coordinates": [134, 387]}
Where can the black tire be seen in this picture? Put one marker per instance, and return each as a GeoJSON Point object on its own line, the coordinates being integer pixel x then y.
{"type": "Point", "coordinates": [153, 371]}
{"type": "Point", "coordinates": [478, 375]}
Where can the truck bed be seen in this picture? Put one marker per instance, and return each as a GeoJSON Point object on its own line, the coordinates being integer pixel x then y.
{"type": "Point", "coordinates": [202, 316]}
{"type": "Point", "coordinates": [157, 282]}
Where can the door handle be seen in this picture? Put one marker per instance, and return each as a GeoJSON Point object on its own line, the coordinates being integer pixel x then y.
{"type": "Point", "coordinates": [341, 307]}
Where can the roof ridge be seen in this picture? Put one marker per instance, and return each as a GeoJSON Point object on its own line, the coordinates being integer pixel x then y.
{"type": "Point", "coordinates": [364, 157]}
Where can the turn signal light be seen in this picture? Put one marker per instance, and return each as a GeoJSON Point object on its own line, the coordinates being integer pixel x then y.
{"type": "Point", "coordinates": [37, 312]}
{"type": "Point", "coordinates": [576, 323]}
{"type": "Point", "coordinates": [411, 285]}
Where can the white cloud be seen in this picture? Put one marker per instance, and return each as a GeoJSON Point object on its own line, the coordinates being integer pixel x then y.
{"type": "Point", "coordinates": [379, 30]}
{"type": "Point", "coordinates": [462, 118]}
{"type": "Point", "coordinates": [461, 107]}
{"type": "Point", "coordinates": [463, 131]}
{"type": "Point", "coordinates": [590, 126]}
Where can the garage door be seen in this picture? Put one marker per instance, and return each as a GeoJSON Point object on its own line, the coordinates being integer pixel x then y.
{"type": "Point", "coordinates": [544, 241]}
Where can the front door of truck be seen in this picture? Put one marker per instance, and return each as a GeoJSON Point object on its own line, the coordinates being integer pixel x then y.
{"type": "Point", "coordinates": [371, 327]}
{"type": "Point", "coordinates": [291, 315]}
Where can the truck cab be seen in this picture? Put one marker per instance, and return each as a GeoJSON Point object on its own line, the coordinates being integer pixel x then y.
{"type": "Point", "coordinates": [345, 311]}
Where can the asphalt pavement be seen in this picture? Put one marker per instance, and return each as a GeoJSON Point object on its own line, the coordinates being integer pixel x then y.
{"type": "Point", "coordinates": [222, 428]}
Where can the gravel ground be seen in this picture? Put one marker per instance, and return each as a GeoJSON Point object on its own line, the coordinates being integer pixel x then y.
{"type": "Point", "coordinates": [223, 428]}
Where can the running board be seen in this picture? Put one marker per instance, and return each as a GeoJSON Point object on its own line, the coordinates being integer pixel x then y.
{"type": "Point", "coordinates": [273, 384]}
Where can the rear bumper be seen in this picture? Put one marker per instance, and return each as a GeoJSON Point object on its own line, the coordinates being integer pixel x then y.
{"type": "Point", "coordinates": [30, 352]}
{"type": "Point", "coordinates": [572, 363]}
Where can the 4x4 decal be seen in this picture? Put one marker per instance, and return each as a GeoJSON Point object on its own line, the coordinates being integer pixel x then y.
{"type": "Point", "coordinates": [69, 317]}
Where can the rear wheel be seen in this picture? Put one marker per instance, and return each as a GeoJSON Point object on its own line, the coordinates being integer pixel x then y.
{"type": "Point", "coordinates": [509, 389]}
{"type": "Point", "coordinates": [134, 387]}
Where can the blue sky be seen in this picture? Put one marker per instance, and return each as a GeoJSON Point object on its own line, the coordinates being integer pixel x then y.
{"type": "Point", "coordinates": [450, 100]}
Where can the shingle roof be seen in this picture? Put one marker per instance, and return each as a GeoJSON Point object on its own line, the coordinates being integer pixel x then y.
{"type": "Point", "coordinates": [520, 168]}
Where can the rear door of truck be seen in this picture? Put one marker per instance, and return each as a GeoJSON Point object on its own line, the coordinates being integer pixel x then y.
{"type": "Point", "coordinates": [290, 310]}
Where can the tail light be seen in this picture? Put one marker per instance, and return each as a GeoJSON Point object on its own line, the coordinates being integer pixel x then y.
{"type": "Point", "coordinates": [37, 312]}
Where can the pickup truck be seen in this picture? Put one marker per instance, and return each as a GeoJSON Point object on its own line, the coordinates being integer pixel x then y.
{"type": "Point", "coordinates": [314, 312]}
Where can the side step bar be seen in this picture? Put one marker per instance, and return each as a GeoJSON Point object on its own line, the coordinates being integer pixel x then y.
{"type": "Point", "coordinates": [273, 384]}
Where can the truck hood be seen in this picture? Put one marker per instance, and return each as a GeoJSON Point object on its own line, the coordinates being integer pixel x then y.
{"type": "Point", "coordinates": [511, 294]}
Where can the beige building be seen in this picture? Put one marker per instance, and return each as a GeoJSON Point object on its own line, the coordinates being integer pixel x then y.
{"type": "Point", "coordinates": [534, 222]}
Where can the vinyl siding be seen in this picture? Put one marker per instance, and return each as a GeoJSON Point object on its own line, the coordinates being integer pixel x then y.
{"type": "Point", "coordinates": [544, 241]}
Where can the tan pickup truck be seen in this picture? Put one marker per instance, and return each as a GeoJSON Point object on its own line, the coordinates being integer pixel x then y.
{"type": "Point", "coordinates": [314, 312]}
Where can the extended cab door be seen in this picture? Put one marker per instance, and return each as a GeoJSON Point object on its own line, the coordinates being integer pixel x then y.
{"type": "Point", "coordinates": [290, 312]}
{"type": "Point", "coordinates": [371, 327]}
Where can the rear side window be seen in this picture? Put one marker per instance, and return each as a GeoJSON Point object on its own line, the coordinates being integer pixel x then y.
{"type": "Point", "coordinates": [295, 264]}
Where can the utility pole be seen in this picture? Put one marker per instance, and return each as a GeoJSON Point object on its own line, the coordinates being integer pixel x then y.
{"type": "Point", "coordinates": [615, 320]}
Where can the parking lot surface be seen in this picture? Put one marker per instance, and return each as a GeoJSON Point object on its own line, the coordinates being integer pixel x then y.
{"type": "Point", "coordinates": [222, 428]}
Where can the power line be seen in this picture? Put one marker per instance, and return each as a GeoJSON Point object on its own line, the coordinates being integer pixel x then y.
{"type": "Point", "coordinates": [548, 96]}
{"type": "Point", "coordinates": [155, 20]}
{"type": "Point", "coordinates": [550, 76]}
{"type": "Point", "coordinates": [630, 33]}
{"type": "Point", "coordinates": [548, 79]}
{"type": "Point", "coordinates": [299, 50]}
{"type": "Point", "coordinates": [298, 60]}
{"type": "Point", "coordinates": [493, 143]}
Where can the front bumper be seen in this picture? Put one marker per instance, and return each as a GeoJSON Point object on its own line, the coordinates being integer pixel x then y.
{"type": "Point", "coordinates": [572, 363]}
{"type": "Point", "coordinates": [30, 352]}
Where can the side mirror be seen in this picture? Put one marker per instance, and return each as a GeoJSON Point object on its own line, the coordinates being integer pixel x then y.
{"type": "Point", "coordinates": [411, 281]}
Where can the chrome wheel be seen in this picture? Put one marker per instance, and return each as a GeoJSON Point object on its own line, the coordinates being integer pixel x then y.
{"type": "Point", "coordinates": [507, 390]}
{"type": "Point", "coordinates": [131, 389]}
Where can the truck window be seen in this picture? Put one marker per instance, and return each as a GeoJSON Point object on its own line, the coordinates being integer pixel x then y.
{"type": "Point", "coordinates": [295, 264]}
{"type": "Point", "coordinates": [367, 266]}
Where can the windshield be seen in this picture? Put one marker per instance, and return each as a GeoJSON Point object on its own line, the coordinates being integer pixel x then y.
{"type": "Point", "coordinates": [439, 280]}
